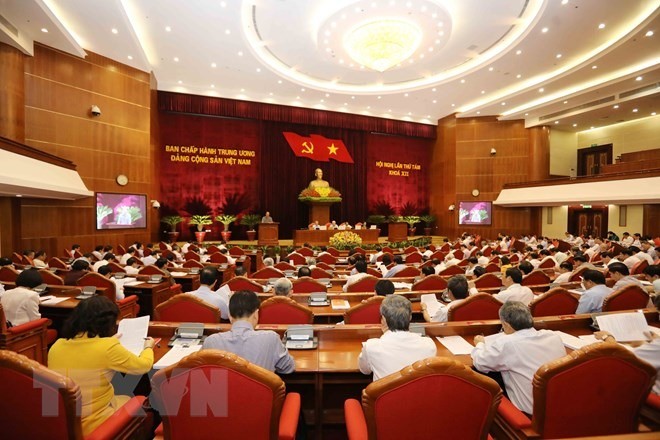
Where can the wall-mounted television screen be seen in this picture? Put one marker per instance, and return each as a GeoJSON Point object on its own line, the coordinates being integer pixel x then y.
{"type": "Point", "coordinates": [475, 213]}
{"type": "Point", "coordinates": [121, 211]}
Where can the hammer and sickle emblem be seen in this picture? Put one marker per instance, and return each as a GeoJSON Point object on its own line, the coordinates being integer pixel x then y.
{"type": "Point", "coordinates": [308, 147]}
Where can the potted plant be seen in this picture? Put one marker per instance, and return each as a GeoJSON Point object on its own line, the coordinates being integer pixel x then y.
{"type": "Point", "coordinates": [428, 220]}
{"type": "Point", "coordinates": [412, 220]}
{"type": "Point", "coordinates": [251, 220]}
{"type": "Point", "coordinates": [172, 221]}
{"type": "Point", "coordinates": [200, 221]}
{"type": "Point", "coordinates": [226, 220]}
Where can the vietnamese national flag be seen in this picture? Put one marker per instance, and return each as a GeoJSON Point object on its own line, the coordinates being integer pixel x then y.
{"type": "Point", "coordinates": [334, 148]}
{"type": "Point", "coordinates": [305, 147]}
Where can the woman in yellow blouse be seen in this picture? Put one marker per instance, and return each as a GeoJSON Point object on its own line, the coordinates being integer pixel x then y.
{"type": "Point", "coordinates": [90, 355]}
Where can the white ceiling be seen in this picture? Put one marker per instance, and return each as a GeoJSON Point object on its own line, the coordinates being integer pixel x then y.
{"type": "Point", "coordinates": [538, 60]}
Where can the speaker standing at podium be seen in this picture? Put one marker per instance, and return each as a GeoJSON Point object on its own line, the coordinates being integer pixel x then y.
{"type": "Point", "coordinates": [267, 218]}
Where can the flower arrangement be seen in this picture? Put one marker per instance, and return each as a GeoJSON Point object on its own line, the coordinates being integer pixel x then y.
{"type": "Point", "coordinates": [345, 240]}
{"type": "Point", "coordinates": [319, 195]}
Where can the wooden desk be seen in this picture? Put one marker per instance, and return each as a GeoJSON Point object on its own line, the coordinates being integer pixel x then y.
{"type": "Point", "coordinates": [189, 281]}
{"type": "Point", "coordinates": [145, 293]}
{"type": "Point", "coordinates": [322, 238]}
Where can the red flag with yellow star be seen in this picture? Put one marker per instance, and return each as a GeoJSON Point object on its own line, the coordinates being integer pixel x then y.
{"type": "Point", "coordinates": [305, 147]}
{"type": "Point", "coordinates": [334, 148]}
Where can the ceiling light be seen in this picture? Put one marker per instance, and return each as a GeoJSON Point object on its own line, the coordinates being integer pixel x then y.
{"type": "Point", "coordinates": [223, 4]}
{"type": "Point", "coordinates": [176, 59]}
{"type": "Point", "coordinates": [389, 110]}
{"type": "Point", "coordinates": [409, 113]}
{"type": "Point", "coordinates": [352, 97]}
{"type": "Point", "coordinates": [490, 69]}
{"type": "Point", "coordinates": [616, 106]}
{"type": "Point", "coordinates": [298, 98]}
{"type": "Point", "coordinates": [504, 103]}
{"type": "Point", "coordinates": [635, 110]}
{"type": "Point", "coordinates": [592, 127]}
{"type": "Point", "coordinates": [544, 30]}
{"type": "Point", "coordinates": [279, 81]}
{"type": "Point", "coordinates": [212, 64]}
{"type": "Point", "coordinates": [213, 86]}
{"type": "Point", "coordinates": [483, 92]}
{"type": "Point", "coordinates": [526, 114]}
{"type": "Point", "coordinates": [180, 82]}
{"type": "Point", "coordinates": [379, 97]}
{"type": "Point", "coordinates": [639, 78]}
{"type": "Point", "coordinates": [649, 33]}
{"type": "Point", "coordinates": [563, 2]}
{"type": "Point", "coordinates": [405, 94]}
{"type": "Point", "coordinates": [478, 113]}
{"type": "Point", "coordinates": [565, 102]}
{"type": "Point", "coordinates": [594, 67]}
{"type": "Point", "coordinates": [453, 105]}
{"type": "Point", "coordinates": [462, 81]}
{"type": "Point", "coordinates": [556, 122]}
{"type": "Point", "coordinates": [652, 113]}
{"type": "Point", "coordinates": [433, 89]}
{"type": "Point", "coordinates": [242, 90]}
{"type": "Point", "coordinates": [302, 90]}
{"type": "Point", "coordinates": [541, 90]}
{"type": "Point", "coordinates": [518, 52]}
{"type": "Point", "coordinates": [341, 61]}
{"type": "Point", "coordinates": [227, 31]}
{"type": "Point", "coordinates": [421, 55]}
{"type": "Point", "coordinates": [44, 30]}
{"type": "Point", "coordinates": [322, 100]}
{"type": "Point", "coordinates": [168, 29]}
{"type": "Point", "coordinates": [601, 26]}
{"type": "Point", "coordinates": [558, 55]}
{"type": "Point", "coordinates": [381, 45]}
{"type": "Point", "coordinates": [130, 57]}
{"type": "Point", "coordinates": [435, 101]}
{"type": "Point", "coordinates": [574, 125]}
{"type": "Point", "coordinates": [240, 53]}
{"type": "Point", "coordinates": [518, 76]}
{"type": "Point", "coordinates": [258, 69]}
{"type": "Point", "coordinates": [368, 107]}
{"type": "Point", "coordinates": [114, 31]}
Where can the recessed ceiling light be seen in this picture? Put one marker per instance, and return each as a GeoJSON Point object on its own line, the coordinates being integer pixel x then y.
{"type": "Point", "coordinates": [518, 76]}
{"type": "Point", "coordinates": [433, 89]}
{"type": "Point", "coordinates": [379, 97]}
{"type": "Point", "coordinates": [242, 90]}
{"type": "Point", "coordinates": [526, 114]}
{"type": "Point", "coordinates": [483, 92]}
{"type": "Point", "coordinates": [541, 90]}
{"type": "Point", "coordinates": [635, 110]}
{"type": "Point", "coordinates": [490, 69]}
{"type": "Point", "coordinates": [649, 33]}
{"type": "Point", "coordinates": [616, 106]}
{"type": "Point", "coordinates": [431, 49]}
{"type": "Point", "coordinates": [352, 97]}
{"type": "Point", "coordinates": [168, 29]}
{"type": "Point", "coordinates": [558, 55]}
{"type": "Point", "coordinates": [504, 103]}
{"type": "Point", "coordinates": [421, 55]}
{"type": "Point", "coordinates": [258, 69]}
{"type": "Point", "coordinates": [114, 31]}
{"type": "Point", "coordinates": [213, 86]}
{"type": "Point", "coordinates": [298, 97]}
{"type": "Point", "coordinates": [223, 4]}
{"type": "Point", "coordinates": [405, 94]}
{"type": "Point", "coordinates": [389, 110]}
{"type": "Point", "coordinates": [435, 101]}
{"type": "Point", "coordinates": [565, 102]}
{"type": "Point", "coordinates": [44, 30]}
{"type": "Point", "coordinates": [556, 122]}
{"type": "Point", "coordinates": [563, 2]}
{"type": "Point", "coordinates": [652, 113]}
{"type": "Point", "coordinates": [462, 81]}
{"type": "Point", "coordinates": [19, 195]}
{"type": "Point", "coordinates": [368, 107]}
{"type": "Point", "coordinates": [341, 61]}
{"type": "Point", "coordinates": [639, 78]}
{"type": "Point", "coordinates": [544, 30]}
{"type": "Point", "coordinates": [214, 65]}
{"type": "Point", "coordinates": [453, 105]}
{"type": "Point", "coordinates": [322, 100]}
{"type": "Point", "coordinates": [408, 4]}
{"type": "Point", "coordinates": [130, 57]}
{"type": "Point", "coordinates": [240, 53]}
{"type": "Point", "coordinates": [594, 67]}
{"type": "Point", "coordinates": [227, 31]}
{"type": "Point", "coordinates": [302, 90]}
{"type": "Point", "coordinates": [478, 113]}
{"type": "Point", "coordinates": [409, 113]}
{"type": "Point", "coordinates": [437, 41]}
{"type": "Point", "coordinates": [574, 125]}
{"type": "Point", "coordinates": [518, 52]}
{"type": "Point", "coordinates": [176, 59]}
{"type": "Point", "coordinates": [180, 82]}
{"type": "Point", "coordinates": [279, 81]}
{"type": "Point", "coordinates": [601, 26]}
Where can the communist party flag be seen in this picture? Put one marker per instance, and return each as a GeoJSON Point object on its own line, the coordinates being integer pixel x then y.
{"type": "Point", "coordinates": [317, 147]}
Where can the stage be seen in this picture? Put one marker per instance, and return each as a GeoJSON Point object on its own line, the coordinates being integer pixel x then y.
{"type": "Point", "coordinates": [322, 237]}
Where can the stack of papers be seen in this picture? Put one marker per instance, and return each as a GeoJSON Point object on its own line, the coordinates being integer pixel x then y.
{"type": "Point", "coordinates": [178, 274]}
{"type": "Point", "coordinates": [456, 344]}
{"type": "Point", "coordinates": [340, 304]}
{"type": "Point", "coordinates": [133, 332]}
{"type": "Point", "coordinates": [624, 327]}
{"type": "Point", "coordinates": [51, 300]}
{"type": "Point", "coordinates": [573, 342]}
{"type": "Point", "coordinates": [432, 303]}
{"type": "Point", "coordinates": [175, 355]}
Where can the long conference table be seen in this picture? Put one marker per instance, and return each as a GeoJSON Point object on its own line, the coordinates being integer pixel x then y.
{"type": "Point", "coordinates": [317, 237]}
{"type": "Point", "coordinates": [328, 375]}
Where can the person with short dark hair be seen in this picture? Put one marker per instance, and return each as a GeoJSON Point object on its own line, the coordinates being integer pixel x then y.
{"type": "Point", "coordinates": [304, 271]}
{"type": "Point", "coordinates": [595, 291]}
{"type": "Point", "coordinates": [621, 276]}
{"type": "Point", "coordinates": [98, 252]}
{"type": "Point", "coordinates": [107, 258]}
{"type": "Point", "coordinates": [457, 290]}
{"type": "Point", "coordinates": [517, 352]}
{"type": "Point", "coordinates": [130, 252]}
{"type": "Point", "coordinates": [526, 267]}
{"type": "Point", "coordinates": [399, 266]}
{"type": "Point", "coordinates": [79, 268]}
{"type": "Point", "coordinates": [565, 272]}
{"type": "Point", "coordinates": [239, 271]}
{"type": "Point", "coordinates": [652, 275]}
{"type": "Point", "coordinates": [74, 248]}
{"type": "Point", "coordinates": [6, 261]}
{"type": "Point", "coordinates": [384, 288]}
{"type": "Point", "coordinates": [397, 347]}
{"type": "Point", "coordinates": [427, 270]}
{"type": "Point", "coordinates": [478, 271]}
{"type": "Point", "coordinates": [208, 278]}
{"type": "Point", "coordinates": [360, 272]}
{"type": "Point", "coordinates": [514, 291]}
{"type": "Point", "coordinates": [472, 263]}
{"type": "Point", "coordinates": [261, 347]}
{"type": "Point", "coordinates": [132, 267]}
{"type": "Point", "coordinates": [21, 304]}
{"type": "Point", "coordinates": [39, 260]}
{"type": "Point", "coordinates": [90, 355]}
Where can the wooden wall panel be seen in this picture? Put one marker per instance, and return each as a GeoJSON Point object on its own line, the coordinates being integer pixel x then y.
{"type": "Point", "coordinates": [59, 90]}
{"type": "Point", "coordinates": [651, 224]}
{"type": "Point", "coordinates": [12, 93]}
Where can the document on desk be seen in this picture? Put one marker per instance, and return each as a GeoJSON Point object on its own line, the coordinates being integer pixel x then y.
{"type": "Point", "coordinates": [624, 327]}
{"type": "Point", "coordinates": [432, 303]}
{"type": "Point", "coordinates": [175, 354]}
{"type": "Point", "coordinates": [572, 342]}
{"type": "Point", "coordinates": [52, 300]}
{"type": "Point", "coordinates": [456, 344]}
{"type": "Point", "coordinates": [178, 274]}
{"type": "Point", "coordinates": [402, 286]}
{"type": "Point", "coordinates": [340, 304]}
{"type": "Point", "coordinates": [133, 331]}
{"type": "Point", "coordinates": [133, 283]}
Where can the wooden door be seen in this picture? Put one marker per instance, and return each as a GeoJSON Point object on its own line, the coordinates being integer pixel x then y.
{"type": "Point", "coordinates": [588, 221]}
{"type": "Point", "coordinates": [590, 160]}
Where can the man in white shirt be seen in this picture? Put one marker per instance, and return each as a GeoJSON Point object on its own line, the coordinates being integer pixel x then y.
{"type": "Point", "coordinates": [517, 353]}
{"type": "Point", "coordinates": [398, 347]}
{"type": "Point", "coordinates": [483, 260]}
{"type": "Point", "coordinates": [457, 290]}
{"type": "Point", "coordinates": [652, 275]}
{"type": "Point", "coordinates": [39, 260]}
{"type": "Point", "coordinates": [119, 284]}
{"type": "Point", "coordinates": [361, 267]}
{"type": "Point", "coordinates": [637, 240]}
{"type": "Point", "coordinates": [107, 258]}
{"type": "Point", "coordinates": [626, 239]}
{"type": "Point", "coordinates": [427, 253]}
{"type": "Point", "coordinates": [641, 255]}
{"type": "Point", "coordinates": [207, 278]}
{"type": "Point", "coordinates": [629, 258]}
{"type": "Point", "coordinates": [565, 273]}
{"type": "Point", "coordinates": [647, 247]}
{"type": "Point", "coordinates": [621, 276]}
{"type": "Point", "coordinates": [560, 256]}
{"type": "Point", "coordinates": [98, 252]}
{"type": "Point", "coordinates": [150, 259]}
{"type": "Point", "coordinates": [132, 267]}
{"type": "Point", "coordinates": [230, 260]}
{"type": "Point", "coordinates": [591, 300]}
{"type": "Point", "coordinates": [513, 290]}
{"type": "Point", "coordinates": [130, 252]}
{"type": "Point", "coordinates": [21, 304]}
{"type": "Point", "coordinates": [374, 257]}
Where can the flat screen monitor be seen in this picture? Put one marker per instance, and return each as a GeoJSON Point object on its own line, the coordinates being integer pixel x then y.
{"type": "Point", "coordinates": [475, 213]}
{"type": "Point", "coordinates": [121, 211]}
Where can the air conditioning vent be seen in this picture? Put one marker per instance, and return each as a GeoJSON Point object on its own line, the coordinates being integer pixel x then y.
{"type": "Point", "coordinates": [639, 90]}
{"type": "Point", "coordinates": [10, 27]}
{"type": "Point", "coordinates": [579, 107]}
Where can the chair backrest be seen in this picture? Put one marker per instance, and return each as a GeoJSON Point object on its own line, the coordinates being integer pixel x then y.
{"type": "Point", "coordinates": [296, 258]}
{"type": "Point", "coordinates": [458, 254]}
{"type": "Point", "coordinates": [410, 250]}
{"type": "Point", "coordinates": [556, 301]}
{"type": "Point", "coordinates": [56, 263]}
{"type": "Point", "coordinates": [17, 258]}
{"type": "Point", "coordinates": [410, 271]}
{"type": "Point", "coordinates": [283, 265]}
{"type": "Point", "coordinates": [365, 284]}
{"type": "Point", "coordinates": [192, 255]}
{"type": "Point", "coordinates": [284, 310]}
{"type": "Point", "coordinates": [463, 263]}
{"type": "Point", "coordinates": [8, 274]}
{"type": "Point", "coordinates": [324, 266]}
{"type": "Point", "coordinates": [367, 312]}
{"type": "Point", "coordinates": [596, 256]}
{"type": "Point", "coordinates": [536, 278]}
{"type": "Point", "coordinates": [387, 249]}
{"type": "Point", "coordinates": [308, 285]}
{"type": "Point", "coordinates": [217, 257]}
{"type": "Point", "coordinates": [242, 283]}
{"type": "Point", "coordinates": [492, 268]}
{"type": "Point", "coordinates": [440, 255]}
{"type": "Point", "coordinates": [468, 404]}
{"type": "Point", "coordinates": [374, 272]}
{"type": "Point", "coordinates": [515, 258]}
{"type": "Point", "coordinates": [628, 297]}
{"type": "Point", "coordinates": [212, 249]}
{"type": "Point", "coordinates": [192, 263]}
{"type": "Point", "coordinates": [430, 282]}
{"type": "Point", "coordinates": [238, 399]}
{"type": "Point", "coordinates": [548, 263]}
{"type": "Point", "coordinates": [327, 259]}
{"type": "Point", "coordinates": [318, 273]}
{"type": "Point", "coordinates": [47, 404]}
{"type": "Point", "coordinates": [49, 277]}
{"type": "Point", "coordinates": [577, 274]}
{"type": "Point", "coordinates": [359, 250]}
{"type": "Point", "coordinates": [414, 257]}
{"type": "Point", "coordinates": [98, 280]}
{"type": "Point", "coordinates": [380, 257]}
{"type": "Point", "coordinates": [151, 270]}
{"type": "Point", "coordinates": [186, 308]}
{"type": "Point", "coordinates": [115, 267]}
{"type": "Point", "coordinates": [305, 252]}
{"type": "Point", "coordinates": [28, 339]}
{"type": "Point", "coordinates": [334, 252]}
{"type": "Point", "coordinates": [121, 250]}
{"type": "Point", "coordinates": [639, 267]}
{"type": "Point", "coordinates": [452, 270]}
{"type": "Point", "coordinates": [475, 307]}
{"type": "Point", "coordinates": [267, 273]}
{"type": "Point", "coordinates": [595, 391]}
{"type": "Point", "coordinates": [235, 251]}
{"type": "Point", "coordinates": [162, 245]}
{"type": "Point", "coordinates": [488, 281]}
{"type": "Point", "coordinates": [146, 252]}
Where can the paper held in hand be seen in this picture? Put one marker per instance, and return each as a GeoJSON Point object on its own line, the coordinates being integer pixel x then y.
{"type": "Point", "coordinates": [624, 327]}
{"type": "Point", "coordinates": [432, 303]}
{"type": "Point", "coordinates": [133, 332]}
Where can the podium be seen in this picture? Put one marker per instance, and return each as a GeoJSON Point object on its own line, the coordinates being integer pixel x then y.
{"type": "Point", "coordinates": [268, 234]}
{"type": "Point", "coordinates": [397, 231]}
{"type": "Point", "coordinates": [319, 211]}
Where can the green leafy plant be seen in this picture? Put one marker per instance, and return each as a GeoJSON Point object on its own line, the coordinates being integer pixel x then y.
{"type": "Point", "coordinates": [200, 221]}
{"type": "Point", "coordinates": [411, 220]}
{"type": "Point", "coordinates": [428, 219]}
{"type": "Point", "coordinates": [226, 220]}
{"type": "Point", "coordinates": [376, 219]}
{"type": "Point", "coordinates": [408, 209]}
{"type": "Point", "coordinates": [196, 206]}
{"type": "Point", "coordinates": [394, 218]}
{"type": "Point", "coordinates": [172, 221]}
{"type": "Point", "coordinates": [250, 220]}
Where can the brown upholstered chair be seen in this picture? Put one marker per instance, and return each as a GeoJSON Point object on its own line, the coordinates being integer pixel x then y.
{"type": "Point", "coordinates": [189, 264]}
{"type": "Point", "coordinates": [367, 312]}
{"type": "Point", "coordinates": [492, 267]}
{"type": "Point", "coordinates": [151, 270]}
{"type": "Point", "coordinates": [327, 259]}
{"type": "Point", "coordinates": [308, 285]}
{"type": "Point", "coordinates": [488, 281]}
{"type": "Point", "coordinates": [241, 400]}
{"type": "Point", "coordinates": [49, 406]}
{"type": "Point", "coordinates": [212, 249]}
{"type": "Point", "coordinates": [567, 405]}
{"type": "Point", "coordinates": [8, 274]}
{"type": "Point", "coordinates": [451, 271]}
{"type": "Point", "coordinates": [334, 252]}
{"type": "Point", "coordinates": [430, 282]}
{"type": "Point", "coordinates": [639, 267]}
{"type": "Point", "coordinates": [217, 257]}
{"type": "Point", "coordinates": [629, 297]}
{"type": "Point", "coordinates": [28, 339]}
{"type": "Point", "coordinates": [475, 307]}
{"type": "Point", "coordinates": [365, 284]}
{"type": "Point", "coordinates": [556, 301]}
{"type": "Point", "coordinates": [56, 263]}
{"type": "Point", "coordinates": [414, 257]}
{"type": "Point", "coordinates": [430, 399]}
{"type": "Point", "coordinates": [374, 272]}
{"type": "Point", "coordinates": [305, 252]}
{"type": "Point", "coordinates": [267, 273]}
{"type": "Point", "coordinates": [319, 273]}
{"type": "Point", "coordinates": [192, 255]}
{"type": "Point", "coordinates": [536, 278]}
{"type": "Point", "coordinates": [548, 263]}
{"type": "Point", "coordinates": [98, 280]}
{"type": "Point", "coordinates": [121, 250]}
{"type": "Point", "coordinates": [283, 265]}
{"type": "Point", "coordinates": [50, 278]}
{"type": "Point", "coordinates": [236, 251]}
{"type": "Point", "coordinates": [576, 276]}
{"type": "Point", "coordinates": [408, 272]}
{"type": "Point", "coordinates": [241, 283]}
{"type": "Point", "coordinates": [116, 268]}
{"type": "Point", "coordinates": [284, 310]}
{"type": "Point", "coordinates": [296, 259]}
{"type": "Point", "coordinates": [186, 308]}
